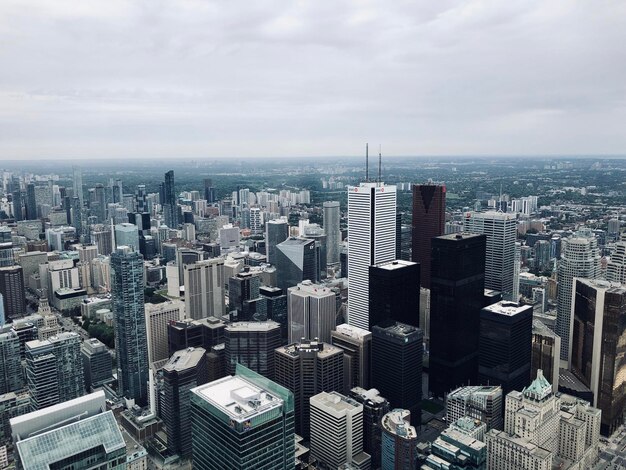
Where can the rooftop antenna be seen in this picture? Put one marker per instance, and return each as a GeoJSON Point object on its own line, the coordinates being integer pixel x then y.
{"type": "Point", "coordinates": [367, 163]}
{"type": "Point", "coordinates": [380, 160]}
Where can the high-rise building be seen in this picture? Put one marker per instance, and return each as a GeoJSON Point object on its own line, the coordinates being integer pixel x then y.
{"type": "Point", "coordinates": [185, 370]}
{"type": "Point", "coordinates": [31, 202]}
{"type": "Point", "coordinates": [244, 300]}
{"type": "Point", "coordinates": [256, 220]}
{"type": "Point", "coordinates": [599, 334]}
{"type": "Point", "coordinates": [126, 234]}
{"type": "Point", "coordinates": [204, 289]}
{"type": "Point", "coordinates": [483, 402]}
{"type": "Point", "coordinates": [10, 365]}
{"type": "Point", "coordinates": [332, 229]}
{"type": "Point", "coordinates": [97, 363]}
{"type": "Point", "coordinates": [454, 448]}
{"type": "Point", "coordinates": [251, 416]}
{"type": "Point", "coordinates": [371, 240]}
{"type": "Point", "coordinates": [276, 305]}
{"type": "Point", "coordinates": [312, 312]}
{"type": "Point", "coordinates": [357, 352]}
{"type": "Point", "coordinates": [397, 365]}
{"type": "Point", "coordinates": [12, 291]}
{"type": "Point", "coordinates": [158, 317]}
{"type": "Point", "coordinates": [296, 260]}
{"type": "Point", "coordinates": [501, 232]}
{"type": "Point", "coordinates": [616, 266]}
{"type": "Point", "coordinates": [210, 194]}
{"type": "Point", "coordinates": [337, 431]}
{"type": "Point", "coordinates": [394, 292]}
{"type": "Point", "coordinates": [505, 347]}
{"type": "Point", "coordinates": [78, 184]}
{"type": "Point", "coordinates": [276, 232]}
{"type": "Point", "coordinates": [131, 343]}
{"type": "Point", "coordinates": [308, 368]}
{"type": "Point", "coordinates": [374, 408]}
{"type": "Point", "coordinates": [546, 353]}
{"type": "Point", "coordinates": [170, 208]}
{"type": "Point", "coordinates": [188, 333]}
{"type": "Point", "coordinates": [580, 257]}
{"type": "Point", "coordinates": [456, 297]}
{"type": "Point", "coordinates": [252, 344]}
{"type": "Point", "coordinates": [429, 218]}
{"type": "Point", "coordinates": [399, 441]}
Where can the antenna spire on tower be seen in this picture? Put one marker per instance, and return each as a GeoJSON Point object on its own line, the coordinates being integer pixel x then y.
{"type": "Point", "coordinates": [367, 163]}
{"type": "Point", "coordinates": [380, 160]}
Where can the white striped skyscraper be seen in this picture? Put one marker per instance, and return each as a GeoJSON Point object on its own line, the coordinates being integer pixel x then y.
{"type": "Point", "coordinates": [332, 230]}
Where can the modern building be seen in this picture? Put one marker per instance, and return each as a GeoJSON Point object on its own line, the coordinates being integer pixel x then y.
{"type": "Point", "coordinates": [205, 289]}
{"type": "Point", "coordinates": [188, 333]}
{"type": "Point", "coordinates": [127, 234]}
{"type": "Point", "coordinates": [456, 449]}
{"type": "Point", "coordinates": [158, 317]}
{"type": "Point", "coordinates": [311, 311]}
{"type": "Point", "coordinates": [505, 349]}
{"type": "Point", "coordinates": [276, 232]}
{"type": "Point", "coordinates": [399, 441]}
{"type": "Point", "coordinates": [276, 306]}
{"type": "Point", "coordinates": [170, 208]}
{"type": "Point", "coordinates": [394, 292]}
{"type": "Point", "coordinates": [337, 431]}
{"type": "Point", "coordinates": [372, 240]}
{"type": "Point", "coordinates": [252, 344]}
{"type": "Point", "coordinates": [131, 343]}
{"type": "Point", "coordinates": [616, 266]}
{"type": "Point", "coordinates": [374, 408]}
{"type": "Point", "coordinates": [244, 299]}
{"type": "Point", "coordinates": [296, 260]}
{"type": "Point", "coordinates": [546, 353]}
{"type": "Point", "coordinates": [501, 231]}
{"type": "Point", "coordinates": [10, 362]}
{"type": "Point", "coordinates": [456, 297]}
{"type": "Point", "coordinates": [357, 352]}
{"type": "Point", "coordinates": [97, 363]}
{"type": "Point", "coordinates": [483, 402]}
{"type": "Point", "coordinates": [12, 291]}
{"type": "Point", "coordinates": [332, 230]}
{"type": "Point", "coordinates": [252, 419]}
{"type": "Point", "coordinates": [429, 218]}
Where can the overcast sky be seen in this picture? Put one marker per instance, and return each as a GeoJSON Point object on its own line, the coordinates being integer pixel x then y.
{"type": "Point", "coordinates": [185, 78]}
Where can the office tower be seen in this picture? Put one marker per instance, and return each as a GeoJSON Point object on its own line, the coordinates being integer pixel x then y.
{"type": "Point", "coordinates": [204, 289]}
{"type": "Point", "coordinates": [546, 350]}
{"type": "Point", "coordinates": [312, 312]}
{"type": "Point", "coordinates": [455, 449]}
{"type": "Point", "coordinates": [598, 341]}
{"type": "Point", "coordinates": [10, 365]}
{"type": "Point", "coordinates": [456, 297]}
{"type": "Point", "coordinates": [229, 237]}
{"type": "Point", "coordinates": [97, 363]}
{"type": "Point", "coordinates": [205, 333]}
{"type": "Point", "coordinates": [170, 208]}
{"type": "Point", "coordinates": [332, 229]}
{"type": "Point", "coordinates": [501, 232]}
{"type": "Point", "coordinates": [308, 368]}
{"type": "Point", "coordinates": [141, 204]}
{"type": "Point", "coordinates": [31, 202]}
{"type": "Point", "coordinates": [101, 237]}
{"type": "Point", "coordinates": [250, 415]}
{"type": "Point", "coordinates": [77, 217]}
{"type": "Point", "coordinates": [397, 365]}
{"type": "Point", "coordinates": [580, 257]}
{"type": "Point", "coordinates": [6, 254]}
{"type": "Point", "coordinates": [394, 292]}
{"type": "Point", "coordinates": [126, 234]}
{"type": "Point", "coordinates": [296, 261]}
{"type": "Point", "coordinates": [244, 300]}
{"type": "Point", "coordinates": [252, 344]}
{"type": "Point", "coordinates": [131, 344]}
{"type": "Point", "coordinates": [505, 348]}
{"type": "Point", "coordinates": [429, 218]}
{"type": "Point", "coordinates": [256, 220]}
{"type": "Point", "coordinates": [185, 370]}
{"type": "Point", "coordinates": [276, 305]}
{"type": "Point", "coordinates": [616, 266]}
{"type": "Point", "coordinates": [18, 202]}
{"type": "Point", "coordinates": [11, 405]}
{"type": "Point", "coordinates": [12, 291]}
{"type": "Point", "coordinates": [372, 240]}
{"type": "Point", "coordinates": [209, 191]}
{"type": "Point", "coordinates": [357, 351]}
{"type": "Point", "coordinates": [374, 408]}
{"type": "Point", "coordinates": [54, 370]}
{"type": "Point", "coordinates": [158, 316]}
{"type": "Point", "coordinates": [337, 431]}
{"type": "Point", "coordinates": [482, 402]}
{"type": "Point", "coordinates": [99, 206]}
{"type": "Point", "coordinates": [78, 184]}
{"type": "Point", "coordinates": [315, 232]}
{"type": "Point", "coordinates": [399, 441]}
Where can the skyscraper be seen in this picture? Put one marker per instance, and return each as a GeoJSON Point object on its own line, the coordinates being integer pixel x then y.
{"type": "Point", "coordinates": [244, 300]}
{"type": "Point", "coordinates": [31, 202]}
{"type": "Point", "coordinates": [296, 260]}
{"type": "Point", "coordinates": [501, 232]}
{"type": "Point", "coordinates": [374, 408]}
{"type": "Point", "coordinates": [97, 363]}
{"type": "Point", "coordinates": [371, 240]}
{"type": "Point", "coordinates": [158, 316]}
{"type": "Point", "coordinates": [276, 232]}
{"type": "Point", "coordinates": [456, 297]}
{"type": "Point", "coordinates": [170, 208]}
{"type": "Point", "coordinates": [332, 229]}
{"type": "Point", "coordinates": [10, 365]}
{"type": "Point", "coordinates": [357, 351]}
{"type": "Point", "coordinates": [77, 182]}
{"type": "Point", "coordinates": [546, 353]}
{"type": "Point", "coordinates": [210, 194]}
{"type": "Point", "coordinates": [394, 292]}
{"type": "Point", "coordinates": [204, 289]}
{"type": "Point", "coordinates": [399, 441]}
{"type": "Point", "coordinates": [429, 218]}
{"type": "Point", "coordinates": [131, 343]}
{"type": "Point", "coordinates": [312, 312]}
{"type": "Point", "coordinates": [12, 291]}
{"type": "Point", "coordinates": [252, 344]}
{"type": "Point", "coordinates": [616, 267]}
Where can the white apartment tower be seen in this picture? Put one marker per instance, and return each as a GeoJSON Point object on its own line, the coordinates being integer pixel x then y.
{"type": "Point", "coordinates": [616, 267]}
{"type": "Point", "coordinates": [371, 240]}
{"type": "Point", "coordinates": [204, 289]}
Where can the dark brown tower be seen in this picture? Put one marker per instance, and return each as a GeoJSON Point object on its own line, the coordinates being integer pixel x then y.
{"type": "Point", "coordinates": [429, 216]}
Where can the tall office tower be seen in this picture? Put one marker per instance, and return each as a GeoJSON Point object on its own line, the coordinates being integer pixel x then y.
{"type": "Point", "coordinates": [394, 292]}
{"type": "Point", "coordinates": [501, 232]}
{"type": "Point", "coordinates": [101, 237]}
{"type": "Point", "coordinates": [6, 254]}
{"type": "Point", "coordinates": [276, 232]}
{"type": "Point", "coordinates": [117, 190]}
{"type": "Point", "coordinates": [244, 297]}
{"type": "Point", "coordinates": [97, 363]}
{"type": "Point", "coordinates": [516, 270]}
{"type": "Point", "coordinates": [357, 353]}
{"type": "Point", "coordinates": [374, 408]}
{"type": "Point", "coordinates": [456, 297]}
{"type": "Point", "coordinates": [482, 402]}
{"type": "Point", "coordinates": [256, 220]}
{"type": "Point", "coordinates": [75, 434]}
{"type": "Point", "coordinates": [54, 370]}
{"type": "Point", "coordinates": [31, 202]}
{"type": "Point", "coordinates": [616, 267]}
{"type": "Point", "coordinates": [141, 204]}
{"type": "Point", "coordinates": [337, 431]}
{"type": "Point", "coordinates": [372, 240]}
{"type": "Point", "coordinates": [185, 370]}
{"type": "Point", "coordinates": [332, 229]}
{"type": "Point", "coordinates": [308, 368]}
{"type": "Point", "coordinates": [397, 365]}
{"type": "Point", "coordinates": [546, 351]}
{"type": "Point", "coordinates": [126, 234]}
{"type": "Point", "coordinates": [276, 305]}
{"type": "Point", "coordinates": [12, 291]}
{"type": "Point", "coordinates": [505, 347]}
{"type": "Point", "coordinates": [429, 218]}
{"type": "Point", "coordinates": [456, 449]}
{"type": "Point", "coordinates": [399, 441]}
{"type": "Point", "coordinates": [100, 203]}
{"type": "Point", "coordinates": [78, 183]}
{"type": "Point", "coordinates": [204, 289]}
{"type": "Point", "coordinates": [252, 344]}
{"type": "Point", "coordinates": [252, 418]}
{"type": "Point", "coordinates": [77, 217]}
{"type": "Point", "coordinates": [18, 202]}
{"type": "Point", "coordinates": [598, 346]}
{"type": "Point", "coordinates": [296, 261]}
{"type": "Point", "coordinates": [170, 208]}
{"type": "Point", "coordinates": [209, 191]}
{"type": "Point", "coordinates": [315, 232]}
{"type": "Point", "coordinates": [188, 333]}
{"type": "Point", "coordinates": [580, 257]}
{"type": "Point", "coordinates": [158, 316]}
{"type": "Point", "coordinates": [312, 312]}
{"type": "Point", "coordinates": [10, 364]}
{"type": "Point", "coordinates": [131, 343]}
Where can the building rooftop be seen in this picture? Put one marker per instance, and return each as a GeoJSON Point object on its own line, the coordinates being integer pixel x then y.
{"type": "Point", "coordinates": [395, 264]}
{"type": "Point", "coordinates": [372, 395]}
{"type": "Point", "coordinates": [323, 349]}
{"type": "Point", "coordinates": [352, 331]}
{"type": "Point", "coordinates": [398, 422]}
{"type": "Point", "coordinates": [507, 308]}
{"type": "Point", "coordinates": [335, 401]}
{"type": "Point", "coordinates": [459, 236]}
{"type": "Point", "coordinates": [398, 329]}
{"type": "Point", "coordinates": [309, 288]}
{"type": "Point", "coordinates": [253, 326]}
{"type": "Point", "coordinates": [184, 359]}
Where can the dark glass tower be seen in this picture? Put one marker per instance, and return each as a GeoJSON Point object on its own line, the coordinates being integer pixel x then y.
{"type": "Point", "coordinates": [296, 260]}
{"type": "Point", "coordinates": [209, 191]}
{"type": "Point", "coordinates": [456, 297]}
{"type": "Point", "coordinates": [12, 290]}
{"type": "Point", "coordinates": [395, 292]}
{"type": "Point", "coordinates": [276, 231]}
{"type": "Point", "coordinates": [31, 202]}
{"type": "Point", "coordinates": [429, 217]}
{"type": "Point", "coordinates": [170, 211]}
{"type": "Point", "coordinates": [131, 344]}
{"type": "Point", "coordinates": [252, 344]}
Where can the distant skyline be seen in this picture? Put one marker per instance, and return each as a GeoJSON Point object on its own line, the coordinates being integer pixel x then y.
{"type": "Point", "coordinates": [203, 79]}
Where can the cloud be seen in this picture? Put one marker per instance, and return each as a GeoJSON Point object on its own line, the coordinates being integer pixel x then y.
{"type": "Point", "coordinates": [196, 78]}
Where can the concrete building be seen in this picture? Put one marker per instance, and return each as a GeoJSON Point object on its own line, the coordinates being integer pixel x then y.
{"type": "Point", "coordinates": [252, 344]}
{"type": "Point", "coordinates": [312, 312]}
{"type": "Point", "coordinates": [456, 449]}
{"type": "Point", "coordinates": [374, 408]}
{"type": "Point", "coordinates": [484, 403]}
{"type": "Point", "coordinates": [158, 317]}
{"type": "Point", "coordinates": [97, 363]}
{"type": "Point", "coordinates": [399, 441]}
{"type": "Point", "coordinates": [332, 230]}
{"type": "Point", "coordinates": [205, 289]}
{"type": "Point", "coordinates": [357, 352]}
